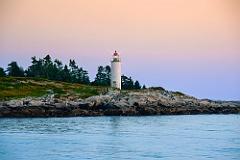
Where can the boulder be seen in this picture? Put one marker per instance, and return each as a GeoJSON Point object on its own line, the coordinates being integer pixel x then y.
{"type": "Point", "coordinates": [36, 103]}
{"type": "Point", "coordinates": [15, 103]}
{"type": "Point", "coordinates": [84, 105]}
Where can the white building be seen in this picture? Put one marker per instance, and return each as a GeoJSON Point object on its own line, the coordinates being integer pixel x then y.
{"type": "Point", "coordinates": [116, 71]}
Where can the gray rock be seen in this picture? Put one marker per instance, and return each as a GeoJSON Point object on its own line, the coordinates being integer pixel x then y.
{"type": "Point", "coordinates": [15, 103]}
{"type": "Point", "coordinates": [117, 103]}
{"type": "Point", "coordinates": [36, 103]}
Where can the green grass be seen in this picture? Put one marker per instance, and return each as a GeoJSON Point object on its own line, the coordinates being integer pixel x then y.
{"type": "Point", "coordinates": [20, 87]}
{"type": "Point", "coordinates": [15, 89]}
{"type": "Point", "coordinates": [86, 92]}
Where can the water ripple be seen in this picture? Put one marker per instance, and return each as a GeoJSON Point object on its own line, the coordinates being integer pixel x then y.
{"type": "Point", "coordinates": [150, 137]}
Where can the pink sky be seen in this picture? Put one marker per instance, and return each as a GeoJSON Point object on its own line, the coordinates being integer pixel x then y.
{"type": "Point", "coordinates": [191, 46]}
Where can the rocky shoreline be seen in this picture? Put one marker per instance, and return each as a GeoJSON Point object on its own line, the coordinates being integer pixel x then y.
{"type": "Point", "coordinates": [116, 103]}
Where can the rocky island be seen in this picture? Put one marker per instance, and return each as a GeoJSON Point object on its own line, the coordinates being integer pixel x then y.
{"type": "Point", "coordinates": [47, 89]}
{"type": "Point", "coordinates": [109, 102]}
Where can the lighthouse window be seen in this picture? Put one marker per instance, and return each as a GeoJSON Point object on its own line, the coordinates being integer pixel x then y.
{"type": "Point", "coordinates": [115, 60]}
{"type": "Point", "coordinates": [114, 82]}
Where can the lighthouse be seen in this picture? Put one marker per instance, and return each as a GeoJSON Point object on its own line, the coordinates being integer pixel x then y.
{"type": "Point", "coordinates": [116, 71]}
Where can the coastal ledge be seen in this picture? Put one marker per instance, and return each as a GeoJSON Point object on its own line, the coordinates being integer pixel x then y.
{"type": "Point", "coordinates": [116, 103]}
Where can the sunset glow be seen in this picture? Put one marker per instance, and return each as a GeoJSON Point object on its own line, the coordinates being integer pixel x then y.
{"type": "Point", "coordinates": [192, 46]}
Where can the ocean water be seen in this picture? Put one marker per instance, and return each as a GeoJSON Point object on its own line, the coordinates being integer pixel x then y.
{"type": "Point", "coordinates": [137, 138]}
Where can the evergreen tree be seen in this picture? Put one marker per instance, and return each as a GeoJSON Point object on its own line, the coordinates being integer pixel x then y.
{"type": "Point", "coordinates": [144, 87]}
{"type": "Point", "coordinates": [102, 77]}
{"type": "Point", "coordinates": [45, 68]}
{"type": "Point", "coordinates": [82, 76]}
{"type": "Point", "coordinates": [127, 82]}
{"type": "Point", "coordinates": [2, 72]}
{"type": "Point", "coordinates": [108, 75]}
{"type": "Point", "coordinates": [98, 80]}
{"type": "Point", "coordinates": [14, 70]}
{"type": "Point", "coordinates": [48, 68]}
{"type": "Point", "coordinates": [78, 75]}
{"type": "Point", "coordinates": [36, 69]}
{"type": "Point", "coordinates": [58, 64]}
{"type": "Point", "coordinates": [65, 74]}
{"type": "Point", "coordinates": [58, 67]}
{"type": "Point", "coordinates": [74, 70]}
{"type": "Point", "coordinates": [137, 85]}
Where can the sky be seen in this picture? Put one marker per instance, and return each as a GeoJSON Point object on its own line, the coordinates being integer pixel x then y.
{"type": "Point", "coordinates": [192, 46]}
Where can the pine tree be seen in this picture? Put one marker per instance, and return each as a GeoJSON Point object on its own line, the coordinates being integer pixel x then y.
{"type": "Point", "coordinates": [58, 67]}
{"type": "Point", "coordinates": [14, 70]}
{"type": "Point", "coordinates": [102, 77]}
{"type": "Point", "coordinates": [74, 70]}
{"type": "Point", "coordinates": [48, 68]}
{"type": "Point", "coordinates": [127, 82]}
{"type": "Point", "coordinates": [2, 72]}
{"type": "Point", "coordinates": [82, 76]}
{"type": "Point", "coordinates": [65, 74]}
{"type": "Point", "coordinates": [137, 85]}
{"type": "Point", "coordinates": [108, 75]}
{"type": "Point", "coordinates": [36, 69]}
{"type": "Point", "coordinates": [144, 87]}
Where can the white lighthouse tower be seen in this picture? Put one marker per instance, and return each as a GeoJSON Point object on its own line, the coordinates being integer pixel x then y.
{"type": "Point", "coordinates": [116, 71]}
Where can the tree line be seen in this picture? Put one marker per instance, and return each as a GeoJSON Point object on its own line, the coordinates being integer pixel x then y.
{"type": "Point", "coordinates": [55, 70]}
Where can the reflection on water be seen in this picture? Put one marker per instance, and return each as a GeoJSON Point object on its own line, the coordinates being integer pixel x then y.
{"type": "Point", "coordinates": [150, 137]}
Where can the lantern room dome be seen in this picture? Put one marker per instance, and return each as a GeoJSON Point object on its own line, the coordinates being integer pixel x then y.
{"type": "Point", "coordinates": [115, 53]}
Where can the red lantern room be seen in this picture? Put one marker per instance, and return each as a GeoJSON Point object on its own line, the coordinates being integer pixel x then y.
{"type": "Point", "coordinates": [115, 53]}
{"type": "Point", "coordinates": [115, 57]}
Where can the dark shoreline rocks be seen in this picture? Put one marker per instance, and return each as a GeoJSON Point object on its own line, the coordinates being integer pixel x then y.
{"type": "Point", "coordinates": [117, 104]}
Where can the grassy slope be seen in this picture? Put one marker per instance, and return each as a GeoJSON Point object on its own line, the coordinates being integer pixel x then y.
{"type": "Point", "coordinates": [20, 87]}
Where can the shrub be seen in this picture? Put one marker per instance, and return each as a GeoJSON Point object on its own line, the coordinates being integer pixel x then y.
{"type": "Point", "coordinates": [157, 88]}
{"type": "Point", "coordinates": [179, 93]}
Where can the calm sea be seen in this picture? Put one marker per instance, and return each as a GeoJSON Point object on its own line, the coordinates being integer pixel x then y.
{"type": "Point", "coordinates": [151, 137]}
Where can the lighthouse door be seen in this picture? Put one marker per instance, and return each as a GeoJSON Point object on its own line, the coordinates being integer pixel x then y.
{"type": "Point", "coordinates": [114, 84]}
